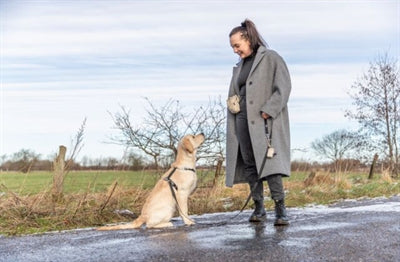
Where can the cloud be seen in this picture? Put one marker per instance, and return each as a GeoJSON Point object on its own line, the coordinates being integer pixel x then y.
{"type": "Point", "coordinates": [324, 80]}
{"type": "Point", "coordinates": [48, 29]}
{"type": "Point", "coordinates": [64, 60]}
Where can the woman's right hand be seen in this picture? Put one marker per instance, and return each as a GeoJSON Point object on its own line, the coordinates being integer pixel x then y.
{"type": "Point", "coordinates": [265, 115]}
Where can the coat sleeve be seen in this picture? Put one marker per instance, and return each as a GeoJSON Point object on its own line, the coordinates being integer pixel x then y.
{"type": "Point", "coordinates": [281, 87]}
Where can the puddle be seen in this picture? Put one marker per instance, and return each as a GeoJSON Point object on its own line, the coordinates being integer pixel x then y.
{"type": "Point", "coordinates": [230, 233]}
{"type": "Point", "coordinates": [237, 236]}
{"type": "Point", "coordinates": [382, 207]}
{"type": "Point", "coordinates": [300, 242]}
{"type": "Point", "coordinates": [329, 225]}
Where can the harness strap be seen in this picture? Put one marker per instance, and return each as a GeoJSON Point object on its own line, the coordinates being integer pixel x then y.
{"type": "Point", "coordinates": [171, 182]}
{"type": "Point", "coordinates": [190, 169]}
{"type": "Point", "coordinates": [172, 185]}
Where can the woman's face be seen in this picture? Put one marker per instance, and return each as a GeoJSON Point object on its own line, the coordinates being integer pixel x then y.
{"type": "Point", "coordinates": [240, 45]}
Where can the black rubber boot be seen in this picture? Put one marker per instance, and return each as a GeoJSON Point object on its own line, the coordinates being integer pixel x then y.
{"type": "Point", "coordinates": [281, 218]}
{"type": "Point", "coordinates": [259, 214]}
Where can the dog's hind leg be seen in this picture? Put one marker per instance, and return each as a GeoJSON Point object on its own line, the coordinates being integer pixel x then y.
{"type": "Point", "coordinates": [138, 222]}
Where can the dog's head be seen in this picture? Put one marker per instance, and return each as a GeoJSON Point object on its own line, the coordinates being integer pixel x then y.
{"type": "Point", "coordinates": [190, 143]}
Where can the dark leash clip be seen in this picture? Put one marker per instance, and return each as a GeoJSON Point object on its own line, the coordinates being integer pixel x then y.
{"type": "Point", "coordinates": [266, 128]}
{"type": "Point", "coordinates": [270, 150]}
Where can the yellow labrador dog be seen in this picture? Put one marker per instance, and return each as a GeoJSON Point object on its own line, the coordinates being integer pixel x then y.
{"type": "Point", "coordinates": [160, 205]}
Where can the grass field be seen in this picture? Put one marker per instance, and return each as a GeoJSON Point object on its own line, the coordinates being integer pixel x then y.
{"type": "Point", "coordinates": [76, 181]}
{"type": "Point", "coordinates": [91, 197]}
{"type": "Point", "coordinates": [85, 181]}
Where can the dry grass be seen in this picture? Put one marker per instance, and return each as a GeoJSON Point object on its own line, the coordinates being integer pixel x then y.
{"type": "Point", "coordinates": [39, 212]}
{"type": "Point", "coordinates": [325, 188]}
{"type": "Point", "coordinates": [387, 177]}
{"type": "Point", "coordinates": [327, 181]}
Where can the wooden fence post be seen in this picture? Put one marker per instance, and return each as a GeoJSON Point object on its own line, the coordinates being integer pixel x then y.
{"type": "Point", "coordinates": [218, 171]}
{"type": "Point", "coordinates": [371, 170]}
{"type": "Point", "coordinates": [59, 174]}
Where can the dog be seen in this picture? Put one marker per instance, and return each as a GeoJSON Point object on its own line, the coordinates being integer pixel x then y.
{"type": "Point", "coordinates": [161, 205]}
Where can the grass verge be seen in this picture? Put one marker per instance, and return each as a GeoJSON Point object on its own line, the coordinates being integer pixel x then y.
{"type": "Point", "coordinates": [91, 198]}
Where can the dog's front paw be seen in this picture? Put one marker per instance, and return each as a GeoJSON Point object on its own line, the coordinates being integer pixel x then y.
{"type": "Point", "coordinates": [189, 222]}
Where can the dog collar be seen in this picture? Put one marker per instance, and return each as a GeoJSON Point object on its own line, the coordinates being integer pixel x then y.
{"type": "Point", "coordinates": [183, 168]}
{"type": "Point", "coordinates": [187, 169]}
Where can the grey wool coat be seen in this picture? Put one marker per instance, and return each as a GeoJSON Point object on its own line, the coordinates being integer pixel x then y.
{"type": "Point", "coordinates": [267, 90]}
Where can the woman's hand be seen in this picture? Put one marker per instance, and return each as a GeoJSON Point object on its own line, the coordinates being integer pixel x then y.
{"type": "Point", "coordinates": [265, 115]}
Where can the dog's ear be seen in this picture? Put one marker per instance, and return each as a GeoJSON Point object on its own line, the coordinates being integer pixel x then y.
{"type": "Point", "coordinates": [187, 144]}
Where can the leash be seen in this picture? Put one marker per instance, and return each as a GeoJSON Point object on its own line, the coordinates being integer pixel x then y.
{"type": "Point", "coordinates": [254, 187]}
{"type": "Point", "coordinates": [269, 138]}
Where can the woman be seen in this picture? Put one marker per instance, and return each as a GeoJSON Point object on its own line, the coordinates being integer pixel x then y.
{"type": "Point", "coordinates": [262, 81]}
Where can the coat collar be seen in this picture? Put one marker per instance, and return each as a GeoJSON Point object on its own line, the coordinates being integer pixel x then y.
{"type": "Point", "coordinates": [236, 70]}
{"type": "Point", "coordinates": [260, 54]}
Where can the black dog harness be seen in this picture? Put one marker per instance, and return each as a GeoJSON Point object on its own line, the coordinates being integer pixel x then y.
{"type": "Point", "coordinates": [171, 182]}
{"type": "Point", "coordinates": [172, 185]}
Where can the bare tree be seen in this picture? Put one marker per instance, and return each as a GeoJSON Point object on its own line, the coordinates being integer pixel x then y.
{"type": "Point", "coordinates": [24, 160]}
{"type": "Point", "coordinates": [162, 127]}
{"type": "Point", "coordinates": [337, 146]}
{"type": "Point", "coordinates": [212, 125]}
{"type": "Point", "coordinates": [376, 97]}
{"type": "Point", "coordinates": [2, 159]}
{"type": "Point", "coordinates": [149, 137]}
{"type": "Point", "coordinates": [135, 161]}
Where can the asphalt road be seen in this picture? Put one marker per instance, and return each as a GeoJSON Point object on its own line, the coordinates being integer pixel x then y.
{"type": "Point", "coordinates": [363, 230]}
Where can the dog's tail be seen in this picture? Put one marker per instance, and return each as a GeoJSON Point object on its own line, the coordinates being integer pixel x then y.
{"type": "Point", "coordinates": [135, 224]}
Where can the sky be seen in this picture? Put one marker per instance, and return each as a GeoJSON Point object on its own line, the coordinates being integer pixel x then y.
{"type": "Point", "coordinates": [64, 61]}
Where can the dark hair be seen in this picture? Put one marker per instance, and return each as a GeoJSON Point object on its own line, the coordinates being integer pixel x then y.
{"type": "Point", "coordinates": [249, 32]}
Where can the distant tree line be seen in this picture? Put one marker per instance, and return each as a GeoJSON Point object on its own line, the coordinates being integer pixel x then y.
{"type": "Point", "coordinates": [136, 162]}
{"type": "Point", "coordinates": [27, 160]}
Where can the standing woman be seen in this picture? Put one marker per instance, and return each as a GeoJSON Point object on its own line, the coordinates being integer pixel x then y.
{"type": "Point", "coordinates": [262, 81]}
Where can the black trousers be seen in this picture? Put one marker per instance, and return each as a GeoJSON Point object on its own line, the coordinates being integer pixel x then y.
{"type": "Point", "coordinates": [246, 151]}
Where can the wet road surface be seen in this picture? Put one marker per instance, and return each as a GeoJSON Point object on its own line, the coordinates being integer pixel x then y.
{"type": "Point", "coordinates": [364, 230]}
